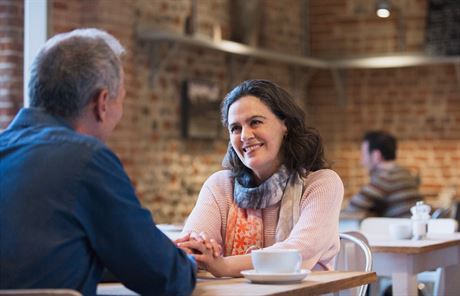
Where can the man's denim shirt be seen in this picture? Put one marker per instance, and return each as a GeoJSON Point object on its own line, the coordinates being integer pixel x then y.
{"type": "Point", "coordinates": [67, 209]}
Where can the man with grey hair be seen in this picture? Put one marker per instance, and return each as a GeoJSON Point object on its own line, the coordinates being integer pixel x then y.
{"type": "Point", "coordinates": [67, 207]}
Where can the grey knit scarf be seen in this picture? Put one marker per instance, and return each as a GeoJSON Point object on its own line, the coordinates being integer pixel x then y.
{"type": "Point", "coordinates": [265, 195]}
{"type": "Point", "coordinates": [281, 186]}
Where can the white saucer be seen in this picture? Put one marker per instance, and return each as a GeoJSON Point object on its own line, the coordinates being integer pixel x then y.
{"type": "Point", "coordinates": [275, 278]}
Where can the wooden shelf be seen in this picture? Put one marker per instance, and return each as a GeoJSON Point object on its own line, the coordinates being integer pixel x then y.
{"type": "Point", "coordinates": [337, 66]}
{"type": "Point", "coordinates": [360, 62]}
{"type": "Point", "coordinates": [392, 61]}
{"type": "Point", "coordinates": [231, 47]}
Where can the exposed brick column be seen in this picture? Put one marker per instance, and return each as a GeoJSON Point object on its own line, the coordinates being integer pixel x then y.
{"type": "Point", "coordinates": [11, 59]}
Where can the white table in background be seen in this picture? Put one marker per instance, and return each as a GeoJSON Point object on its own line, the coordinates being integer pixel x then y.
{"type": "Point", "coordinates": [114, 289]}
{"type": "Point", "coordinates": [404, 259]}
{"type": "Point", "coordinates": [172, 231]}
{"type": "Point", "coordinates": [350, 221]}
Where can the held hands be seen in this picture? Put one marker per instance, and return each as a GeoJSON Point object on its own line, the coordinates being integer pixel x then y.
{"type": "Point", "coordinates": [201, 237]}
{"type": "Point", "coordinates": [207, 252]}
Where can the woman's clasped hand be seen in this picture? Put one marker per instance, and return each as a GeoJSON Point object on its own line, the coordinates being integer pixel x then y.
{"type": "Point", "coordinates": [206, 251]}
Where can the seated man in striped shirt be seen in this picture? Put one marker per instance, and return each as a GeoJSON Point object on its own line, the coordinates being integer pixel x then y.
{"type": "Point", "coordinates": [392, 190]}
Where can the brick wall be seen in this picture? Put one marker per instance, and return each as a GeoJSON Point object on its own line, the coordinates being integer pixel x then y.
{"type": "Point", "coordinates": [340, 27]}
{"type": "Point", "coordinates": [167, 170]}
{"type": "Point", "coordinates": [420, 105]}
{"type": "Point", "coordinates": [172, 169]}
{"type": "Point", "coordinates": [11, 59]}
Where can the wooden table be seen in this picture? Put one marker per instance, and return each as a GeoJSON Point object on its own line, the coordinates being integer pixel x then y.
{"type": "Point", "coordinates": [404, 259]}
{"type": "Point", "coordinates": [316, 283]}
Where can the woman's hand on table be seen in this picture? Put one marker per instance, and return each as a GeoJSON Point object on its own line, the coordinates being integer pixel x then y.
{"type": "Point", "coordinates": [205, 256]}
{"type": "Point", "coordinates": [203, 237]}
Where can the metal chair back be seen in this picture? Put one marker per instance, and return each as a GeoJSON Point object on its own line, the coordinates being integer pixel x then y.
{"type": "Point", "coordinates": [349, 259]}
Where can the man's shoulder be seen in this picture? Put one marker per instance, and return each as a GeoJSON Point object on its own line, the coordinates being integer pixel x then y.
{"type": "Point", "coordinates": [77, 145]}
{"type": "Point", "coordinates": [59, 141]}
{"type": "Point", "coordinates": [33, 126]}
{"type": "Point", "coordinates": [395, 172]}
{"type": "Point", "coordinates": [64, 138]}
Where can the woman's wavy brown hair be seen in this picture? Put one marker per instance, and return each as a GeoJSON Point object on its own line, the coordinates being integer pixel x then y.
{"type": "Point", "coordinates": [302, 148]}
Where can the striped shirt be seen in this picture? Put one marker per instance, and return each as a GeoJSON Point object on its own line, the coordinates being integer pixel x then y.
{"type": "Point", "coordinates": [390, 193]}
{"type": "Point", "coordinates": [315, 234]}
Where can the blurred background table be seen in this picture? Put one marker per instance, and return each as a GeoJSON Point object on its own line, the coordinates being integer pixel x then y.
{"type": "Point", "coordinates": [402, 260]}
{"type": "Point", "coordinates": [173, 231]}
{"type": "Point", "coordinates": [350, 221]}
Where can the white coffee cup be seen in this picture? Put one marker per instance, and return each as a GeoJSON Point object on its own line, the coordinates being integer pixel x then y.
{"type": "Point", "coordinates": [400, 231]}
{"type": "Point", "coordinates": [276, 261]}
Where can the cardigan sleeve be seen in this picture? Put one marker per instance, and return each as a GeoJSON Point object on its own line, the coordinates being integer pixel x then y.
{"type": "Point", "coordinates": [316, 233]}
{"type": "Point", "coordinates": [211, 208]}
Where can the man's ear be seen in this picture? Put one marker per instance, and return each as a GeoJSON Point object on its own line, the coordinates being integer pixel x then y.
{"type": "Point", "coordinates": [100, 105]}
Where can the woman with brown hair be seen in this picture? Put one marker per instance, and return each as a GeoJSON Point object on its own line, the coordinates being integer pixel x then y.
{"type": "Point", "coordinates": [275, 192]}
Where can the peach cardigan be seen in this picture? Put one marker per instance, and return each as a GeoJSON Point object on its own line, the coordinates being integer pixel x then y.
{"type": "Point", "coordinates": [315, 233]}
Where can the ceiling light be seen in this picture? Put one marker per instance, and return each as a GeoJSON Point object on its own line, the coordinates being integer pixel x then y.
{"type": "Point", "coordinates": [383, 8]}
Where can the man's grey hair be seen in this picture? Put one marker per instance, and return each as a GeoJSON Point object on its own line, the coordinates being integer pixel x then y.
{"type": "Point", "coordinates": [72, 68]}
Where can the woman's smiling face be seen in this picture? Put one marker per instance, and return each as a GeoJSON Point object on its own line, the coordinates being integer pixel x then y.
{"type": "Point", "coordinates": [256, 135]}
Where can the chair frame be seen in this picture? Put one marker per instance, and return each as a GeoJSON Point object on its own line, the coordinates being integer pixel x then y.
{"type": "Point", "coordinates": [367, 254]}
